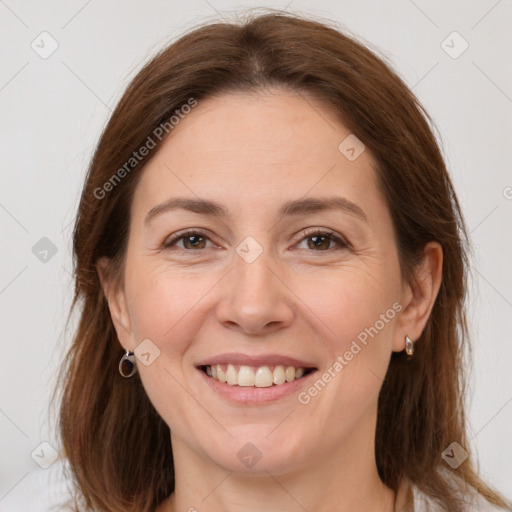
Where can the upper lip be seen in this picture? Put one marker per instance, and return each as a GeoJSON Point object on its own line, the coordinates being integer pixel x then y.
{"type": "Point", "coordinates": [261, 360]}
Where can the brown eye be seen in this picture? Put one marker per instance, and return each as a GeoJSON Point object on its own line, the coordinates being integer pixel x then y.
{"type": "Point", "coordinates": [323, 241]}
{"type": "Point", "coordinates": [193, 242]}
{"type": "Point", "coordinates": [319, 242]}
{"type": "Point", "coordinates": [189, 241]}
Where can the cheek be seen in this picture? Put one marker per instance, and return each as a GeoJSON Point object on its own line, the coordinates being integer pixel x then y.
{"type": "Point", "coordinates": [358, 318]}
{"type": "Point", "coordinates": [346, 304]}
{"type": "Point", "coordinates": [162, 304]}
{"type": "Point", "coordinates": [166, 307]}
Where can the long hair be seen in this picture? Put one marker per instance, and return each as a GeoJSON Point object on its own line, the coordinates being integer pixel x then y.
{"type": "Point", "coordinates": [118, 447]}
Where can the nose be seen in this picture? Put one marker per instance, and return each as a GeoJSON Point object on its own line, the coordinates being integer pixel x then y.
{"type": "Point", "coordinates": [255, 299]}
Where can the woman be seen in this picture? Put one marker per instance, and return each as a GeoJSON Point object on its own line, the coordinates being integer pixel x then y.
{"type": "Point", "coordinates": [271, 265]}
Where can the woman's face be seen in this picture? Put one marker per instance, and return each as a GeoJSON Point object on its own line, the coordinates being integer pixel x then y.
{"type": "Point", "coordinates": [295, 266]}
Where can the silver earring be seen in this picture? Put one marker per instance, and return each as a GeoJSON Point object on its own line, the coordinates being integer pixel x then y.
{"type": "Point", "coordinates": [409, 346]}
{"type": "Point", "coordinates": [128, 365]}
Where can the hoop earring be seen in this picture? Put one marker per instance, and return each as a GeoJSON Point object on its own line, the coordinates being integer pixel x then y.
{"type": "Point", "coordinates": [128, 365]}
{"type": "Point", "coordinates": [409, 346]}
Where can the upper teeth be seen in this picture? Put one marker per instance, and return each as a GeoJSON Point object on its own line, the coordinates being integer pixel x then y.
{"type": "Point", "coordinates": [261, 377]}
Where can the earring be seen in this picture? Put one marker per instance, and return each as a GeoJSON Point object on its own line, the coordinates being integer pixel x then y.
{"type": "Point", "coordinates": [409, 346]}
{"type": "Point", "coordinates": [128, 365]}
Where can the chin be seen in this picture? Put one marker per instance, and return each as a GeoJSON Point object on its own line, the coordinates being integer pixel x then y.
{"type": "Point", "coordinates": [252, 452]}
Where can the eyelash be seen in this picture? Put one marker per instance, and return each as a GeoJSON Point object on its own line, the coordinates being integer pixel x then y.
{"type": "Point", "coordinates": [342, 244]}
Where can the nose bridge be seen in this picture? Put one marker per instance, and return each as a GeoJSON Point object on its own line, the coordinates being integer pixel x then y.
{"type": "Point", "coordinates": [252, 277]}
{"type": "Point", "coordinates": [255, 298]}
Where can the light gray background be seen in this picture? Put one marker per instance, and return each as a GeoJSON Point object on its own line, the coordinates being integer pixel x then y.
{"type": "Point", "coordinates": [53, 111]}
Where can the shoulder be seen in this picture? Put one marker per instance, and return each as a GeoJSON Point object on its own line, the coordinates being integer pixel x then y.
{"type": "Point", "coordinates": [471, 500]}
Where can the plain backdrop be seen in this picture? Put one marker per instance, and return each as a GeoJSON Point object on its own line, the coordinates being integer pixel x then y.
{"type": "Point", "coordinates": [54, 107]}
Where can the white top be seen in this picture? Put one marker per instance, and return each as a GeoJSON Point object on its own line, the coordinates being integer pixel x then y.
{"type": "Point", "coordinates": [417, 501]}
{"type": "Point", "coordinates": [474, 503]}
{"type": "Point", "coordinates": [48, 491]}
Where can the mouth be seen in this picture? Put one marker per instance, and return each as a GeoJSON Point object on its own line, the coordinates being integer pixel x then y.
{"type": "Point", "coordinates": [264, 376]}
{"type": "Point", "coordinates": [249, 380]}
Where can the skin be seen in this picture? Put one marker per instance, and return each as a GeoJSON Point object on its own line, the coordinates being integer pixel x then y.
{"type": "Point", "coordinates": [251, 153]}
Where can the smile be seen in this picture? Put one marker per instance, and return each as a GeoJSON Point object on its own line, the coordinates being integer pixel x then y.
{"type": "Point", "coordinates": [255, 376]}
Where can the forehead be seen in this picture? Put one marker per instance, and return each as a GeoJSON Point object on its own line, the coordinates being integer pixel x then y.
{"type": "Point", "coordinates": [253, 149]}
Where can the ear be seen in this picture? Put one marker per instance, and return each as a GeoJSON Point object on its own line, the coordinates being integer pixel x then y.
{"type": "Point", "coordinates": [115, 295]}
{"type": "Point", "coordinates": [418, 297]}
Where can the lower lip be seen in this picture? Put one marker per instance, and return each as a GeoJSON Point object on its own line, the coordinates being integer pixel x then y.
{"type": "Point", "coordinates": [253, 395]}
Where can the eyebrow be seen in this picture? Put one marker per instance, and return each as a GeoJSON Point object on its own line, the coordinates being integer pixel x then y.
{"type": "Point", "coordinates": [294, 207]}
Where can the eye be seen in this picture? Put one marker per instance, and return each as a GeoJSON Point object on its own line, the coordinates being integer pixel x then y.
{"type": "Point", "coordinates": [321, 240]}
{"type": "Point", "coordinates": [191, 238]}
{"type": "Point", "coordinates": [318, 240]}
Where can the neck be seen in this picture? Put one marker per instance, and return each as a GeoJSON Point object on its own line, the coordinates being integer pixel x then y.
{"type": "Point", "coordinates": [345, 479]}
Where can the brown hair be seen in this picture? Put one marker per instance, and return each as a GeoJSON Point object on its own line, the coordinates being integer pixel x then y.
{"type": "Point", "coordinates": [117, 445]}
